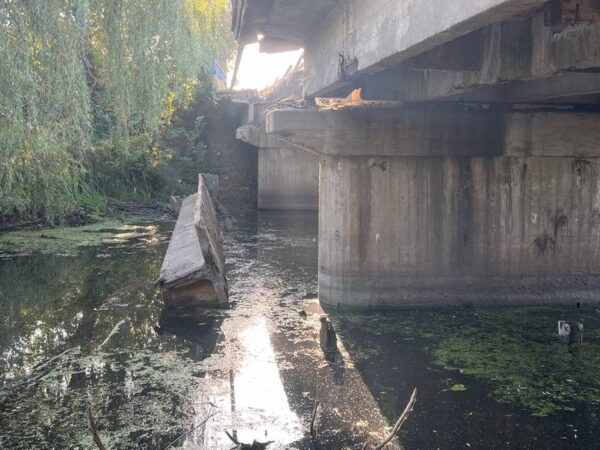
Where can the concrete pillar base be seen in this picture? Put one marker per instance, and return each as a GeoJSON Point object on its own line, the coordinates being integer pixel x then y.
{"type": "Point", "coordinates": [406, 231]}
{"type": "Point", "coordinates": [376, 293]}
{"type": "Point", "coordinates": [288, 179]}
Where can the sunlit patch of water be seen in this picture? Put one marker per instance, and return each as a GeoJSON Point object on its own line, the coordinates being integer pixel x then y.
{"type": "Point", "coordinates": [251, 402]}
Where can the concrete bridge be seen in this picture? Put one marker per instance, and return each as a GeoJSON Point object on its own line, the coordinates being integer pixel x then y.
{"type": "Point", "coordinates": [470, 173]}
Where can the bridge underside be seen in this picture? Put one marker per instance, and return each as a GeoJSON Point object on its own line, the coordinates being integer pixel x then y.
{"type": "Point", "coordinates": [470, 175]}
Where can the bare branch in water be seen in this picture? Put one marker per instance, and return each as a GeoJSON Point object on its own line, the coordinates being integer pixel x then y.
{"type": "Point", "coordinates": [92, 428]}
{"type": "Point", "coordinates": [191, 431]}
{"type": "Point", "coordinates": [254, 446]}
{"type": "Point", "coordinates": [400, 421]}
{"type": "Point", "coordinates": [313, 431]}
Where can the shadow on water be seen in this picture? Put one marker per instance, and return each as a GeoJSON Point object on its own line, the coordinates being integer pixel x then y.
{"type": "Point", "coordinates": [89, 327]}
{"type": "Point", "coordinates": [199, 327]}
{"type": "Point", "coordinates": [487, 378]}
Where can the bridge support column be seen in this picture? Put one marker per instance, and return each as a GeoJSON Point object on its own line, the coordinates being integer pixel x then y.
{"type": "Point", "coordinates": [287, 175]}
{"type": "Point", "coordinates": [421, 206]}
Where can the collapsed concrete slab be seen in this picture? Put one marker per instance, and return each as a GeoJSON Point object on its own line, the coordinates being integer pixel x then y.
{"type": "Point", "coordinates": [193, 271]}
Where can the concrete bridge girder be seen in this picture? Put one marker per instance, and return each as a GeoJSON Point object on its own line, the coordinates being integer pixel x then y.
{"type": "Point", "coordinates": [438, 130]}
{"type": "Point", "coordinates": [371, 36]}
{"type": "Point", "coordinates": [521, 60]}
{"type": "Point", "coordinates": [490, 208]}
{"type": "Point", "coordinates": [439, 50]}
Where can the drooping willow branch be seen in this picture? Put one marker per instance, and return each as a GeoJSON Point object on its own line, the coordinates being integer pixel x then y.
{"type": "Point", "coordinates": [81, 80]}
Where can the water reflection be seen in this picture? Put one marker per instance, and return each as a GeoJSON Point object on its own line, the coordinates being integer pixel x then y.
{"type": "Point", "coordinates": [253, 405]}
{"type": "Point", "coordinates": [91, 328]}
{"type": "Point", "coordinates": [199, 327]}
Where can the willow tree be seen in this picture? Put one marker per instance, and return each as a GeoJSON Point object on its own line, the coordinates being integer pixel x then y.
{"type": "Point", "coordinates": [85, 86]}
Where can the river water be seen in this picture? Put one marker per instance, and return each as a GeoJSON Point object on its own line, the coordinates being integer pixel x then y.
{"type": "Point", "coordinates": [86, 328]}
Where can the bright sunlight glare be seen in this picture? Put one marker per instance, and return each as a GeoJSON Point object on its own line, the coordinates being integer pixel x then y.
{"type": "Point", "coordinates": [260, 70]}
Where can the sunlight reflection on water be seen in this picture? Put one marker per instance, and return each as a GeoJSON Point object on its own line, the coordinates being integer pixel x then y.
{"type": "Point", "coordinates": [253, 405]}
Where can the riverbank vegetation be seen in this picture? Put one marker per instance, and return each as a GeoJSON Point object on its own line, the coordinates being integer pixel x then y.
{"type": "Point", "coordinates": [88, 89]}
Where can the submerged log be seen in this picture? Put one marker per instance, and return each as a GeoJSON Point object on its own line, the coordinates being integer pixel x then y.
{"type": "Point", "coordinates": [193, 271]}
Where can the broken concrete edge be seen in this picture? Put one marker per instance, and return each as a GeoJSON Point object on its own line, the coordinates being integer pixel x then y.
{"type": "Point", "coordinates": [193, 271]}
{"type": "Point", "coordinates": [207, 228]}
{"type": "Point", "coordinates": [212, 182]}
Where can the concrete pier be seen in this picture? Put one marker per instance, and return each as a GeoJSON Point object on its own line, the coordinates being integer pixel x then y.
{"type": "Point", "coordinates": [288, 176]}
{"type": "Point", "coordinates": [435, 206]}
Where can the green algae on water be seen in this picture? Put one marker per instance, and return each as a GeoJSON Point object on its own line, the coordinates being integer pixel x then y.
{"type": "Point", "coordinates": [516, 350]}
{"type": "Point", "coordinates": [67, 240]}
{"type": "Point", "coordinates": [458, 388]}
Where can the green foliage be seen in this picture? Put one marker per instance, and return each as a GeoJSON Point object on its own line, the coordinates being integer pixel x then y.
{"type": "Point", "coordinates": [520, 353]}
{"type": "Point", "coordinates": [86, 88]}
{"type": "Point", "coordinates": [187, 156]}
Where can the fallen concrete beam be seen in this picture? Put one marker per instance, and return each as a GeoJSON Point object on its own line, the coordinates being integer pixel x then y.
{"type": "Point", "coordinates": [193, 271]}
{"type": "Point", "coordinates": [438, 130]}
{"type": "Point", "coordinates": [367, 37]}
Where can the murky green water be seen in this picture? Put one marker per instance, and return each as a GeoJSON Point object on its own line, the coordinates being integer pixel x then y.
{"type": "Point", "coordinates": [87, 328]}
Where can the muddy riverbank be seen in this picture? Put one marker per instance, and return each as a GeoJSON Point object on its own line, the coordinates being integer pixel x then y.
{"type": "Point", "coordinates": [86, 326]}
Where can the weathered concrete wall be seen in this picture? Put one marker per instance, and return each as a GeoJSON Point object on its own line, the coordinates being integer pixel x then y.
{"type": "Point", "coordinates": [433, 206]}
{"type": "Point", "coordinates": [366, 37]}
{"type": "Point", "coordinates": [288, 176]}
{"type": "Point", "coordinates": [482, 230]}
{"type": "Point", "coordinates": [288, 179]}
